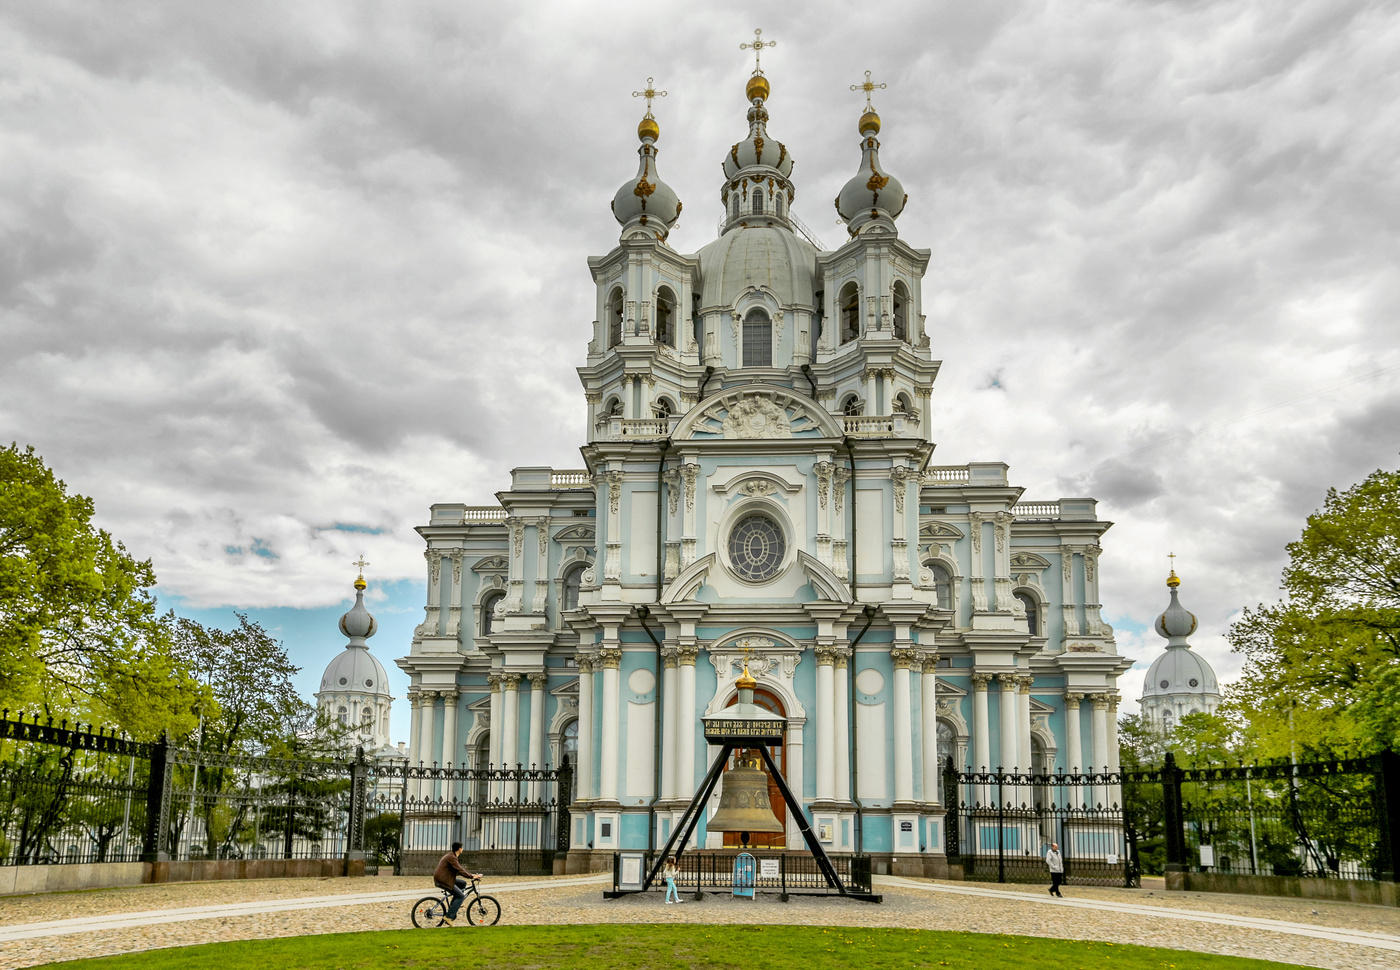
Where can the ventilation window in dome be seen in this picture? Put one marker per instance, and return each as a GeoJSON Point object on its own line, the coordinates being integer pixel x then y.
{"type": "Point", "coordinates": [1166, 684]}
{"type": "Point", "coordinates": [1195, 682]}
{"type": "Point", "coordinates": [343, 682]}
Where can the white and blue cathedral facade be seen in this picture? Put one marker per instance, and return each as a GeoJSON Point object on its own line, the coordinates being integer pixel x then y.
{"type": "Point", "coordinates": [758, 485]}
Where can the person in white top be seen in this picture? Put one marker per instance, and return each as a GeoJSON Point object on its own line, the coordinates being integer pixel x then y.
{"type": "Point", "coordinates": [1056, 863]}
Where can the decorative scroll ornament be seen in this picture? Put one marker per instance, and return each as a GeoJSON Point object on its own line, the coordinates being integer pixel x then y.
{"type": "Point", "coordinates": [899, 475]}
{"type": "Point", "coordinates": [756, 417]}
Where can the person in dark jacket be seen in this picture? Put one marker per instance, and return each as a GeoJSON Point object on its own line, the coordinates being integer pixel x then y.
{"type": "Point", "coordinates": [449, 867]}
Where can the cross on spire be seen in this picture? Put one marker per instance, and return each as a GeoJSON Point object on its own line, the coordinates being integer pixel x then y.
{"type": "Point", "coordinates": [1172, 557]}
{"type": "Point", "coordinates": [649, 93]}
{"type": "Point", "coordinates": [867, 87]}
{"type": "Point", "coordinates": [360, 563]}
{"type": "Point", "coordinates": [757, 47]}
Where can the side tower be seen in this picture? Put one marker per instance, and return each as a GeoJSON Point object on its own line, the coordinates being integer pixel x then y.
{"type": "Point", "coordinates": [1180, 681]}
{"type": "Point", "coordinates": [355, 688]}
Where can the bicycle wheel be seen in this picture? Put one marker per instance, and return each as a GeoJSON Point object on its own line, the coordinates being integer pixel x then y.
{"type": "Point", "coordinates": [483, 911]}
{"type": "Point", "coordinates": [429, 912]}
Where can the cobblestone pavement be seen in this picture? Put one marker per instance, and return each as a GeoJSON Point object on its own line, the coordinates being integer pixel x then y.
{"type": "Point", "coordinates": [40, 929]}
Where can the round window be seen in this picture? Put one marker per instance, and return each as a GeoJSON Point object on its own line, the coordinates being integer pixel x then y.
{"type": "Point", "coordinates": [343, 682]}
{"type": "Point", "coordinates": [369, 682]}
{"type": "Point", "coordinates": [1195, 682]}
{"type": "Point", "coordinates": [1166, 684]}
{"type": "Point", "coordinates": [756, 547]}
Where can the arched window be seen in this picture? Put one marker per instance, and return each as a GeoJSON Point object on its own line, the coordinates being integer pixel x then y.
{"type": "Point", "coordinates": [902, 406]}
{"type": "Point", "coordinates": [612, 409]}
{"type": "Point", "coordinates": [852, 407]}
{"type": "Point", "coordinates": [947, 745]}
{"type": "Point", "coordinates": [778, 203]}
{"type": "Point", "coordinates": [615, 318]}
{"type": "Point", "coordinates": [663, 408]}
{"type": "Point", "coordinates": [573, 579]}
{"type": "Point", "coordinates": [758, 340]}
{"type": "Point", "coordinates": [488, 611]}
{"type": "Point", "coordinates": [568, 751]}
{"type": "Point", "coordinates": [343, 715]}
{"type": "Point", "coordinates": [901, 311]}
{"type": "Point", "coordinates": [942, 585]}
{"type": "Point", "coordinates": [367, 719]}
{"type": "Point", "coordinates": [757, 202]}
{"type": "Point", "coordinates": [1029, 604]}
{"type": "Point", "coordinates": [665, 317]}
{"type": "Point", "coordinates": [735, 206]}
{"type": "Point", "coordinates": [850, 312]}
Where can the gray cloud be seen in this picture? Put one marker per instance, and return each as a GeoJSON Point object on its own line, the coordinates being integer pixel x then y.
{"type": "Point", "coordinates": [266, 270]}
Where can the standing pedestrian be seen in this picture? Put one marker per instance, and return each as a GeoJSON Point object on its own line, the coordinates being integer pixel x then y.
{"type": "Point", "coordinates": [1056, 864]}
{"type": "Point", "coordinates": [670, 872]}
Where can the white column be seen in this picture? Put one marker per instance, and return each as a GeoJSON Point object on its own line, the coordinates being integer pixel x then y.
{"type": "Point", "coordinates": [611, 659]}
{"type": "Point", "coordinates": [1100, 745]}
{"type": "Point", "coordinates": [826, 739]}
{"type": "Point", "coordinates": [449, 727]}
{"type": "Point", "coordinates": [685, 762]}
{"type": "Point", "coordinates": [669, 719]}
{"type": "Point", "coordinates": [1074, 747]}
{"type": "Point", "coordinates": [928, 710]}
{"type": "Point", "coordinates": [841, 700]}
{"type": "Point", "coordinates": [415, 699]}
{"type": "Point", "coordinates": [583, 771]}
{"type": "Point", "coordinates": [1115, 792]}
{"type": "Point", "coordinates": [981, 731]}
{"type": "Point", "coordinates": [425, 727]}
{"type": "Point", "coordinates": [510, 720]}
{"type": "Point", "coordinates": [1006, 750]}
{"type": "Point", "coordinates": [493, 681]}
{"type": "Point", "coordinates": [904, 658]}
{"type": "Point", "coordinates": [538, 680]}
{"type": "Point", "coordinates": [1023, 721]}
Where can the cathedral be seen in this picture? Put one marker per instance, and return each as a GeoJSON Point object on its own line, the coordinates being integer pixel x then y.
{"type": "Point", "coordinates": [758, 488]}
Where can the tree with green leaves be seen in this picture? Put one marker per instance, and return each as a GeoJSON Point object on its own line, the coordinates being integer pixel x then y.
{"type": "Point", "coordinates": [1322, 667]}
{"type": "Point", "coordinates": [79, 631]}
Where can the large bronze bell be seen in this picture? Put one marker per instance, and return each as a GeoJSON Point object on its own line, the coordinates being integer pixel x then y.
{"type": "Point", "coordinates": [744, 806]}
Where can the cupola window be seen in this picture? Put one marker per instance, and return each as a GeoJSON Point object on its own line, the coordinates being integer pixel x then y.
{"type": "Point", "coordinates": [851, 407]}
{"type": "Point", "coordinates": [850, 312]}
{"type": "Point", "coordinates": [615, 318]}
{"type": "Point", "coordinates": [758, 340]}
{"type": "Point", "coordinates": [901, 312]}
{"type": "Point", "coordinates": [758, 202]}
{"type": "Point", "coordinates": [665, 317]}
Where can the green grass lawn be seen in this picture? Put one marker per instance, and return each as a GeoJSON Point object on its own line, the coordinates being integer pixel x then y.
{"type": "Point", "coordinates": [640, 947]}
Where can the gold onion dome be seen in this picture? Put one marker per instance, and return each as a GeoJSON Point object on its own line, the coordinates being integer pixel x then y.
{"type": "Point", "coordinates": [757, 89]}
{"type": "Point", "coordinates": [745, 680]}
{"type": "Point", "coordinates": [1173, 580]}
{"type": "Point", "coordinates": [869, 123]}
{"type": "Point", "coordinates": [648, 128]}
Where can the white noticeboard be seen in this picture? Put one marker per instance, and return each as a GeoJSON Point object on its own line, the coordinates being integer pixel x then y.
{"type": "Point", "coordinates": [1207, 855]}
{"type": "Point", "coordinates": [768, 868]}
{"type": "Point", "coordinates": [630, 873]}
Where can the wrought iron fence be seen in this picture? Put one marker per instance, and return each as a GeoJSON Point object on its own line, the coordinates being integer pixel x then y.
{"type": "Point", "coordinates": [85, 795]}
{"type": "Point", "coordinates": [1322, 819]}
{"type": "Point", "coordinates": [1001, 824]}
{"type": "Point", "coordinates": [509, 820]}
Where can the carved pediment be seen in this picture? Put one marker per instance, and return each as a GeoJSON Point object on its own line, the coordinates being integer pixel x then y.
{"type": "Point", "coordinates": [491, 564]}
{"type": "Point", "coordinates": [688, 583]}
{"type": "Point", "coordinates": [1029, 560]}
{"type": "Point", "coordinates": [754, 412]}
{"type": "Point", "coordinates": [577, 533]}
{"type": "Point", "coordinates": [940, 530]}
{"type": "Point", "coordinates": [825, 583]}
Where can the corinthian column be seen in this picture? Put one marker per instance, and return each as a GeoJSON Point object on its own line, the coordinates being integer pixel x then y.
{"type": "Point", "coordinates": [510, 728]}
{"type": "Point", "coordinates": [1074, 747]}
{"type": "Point", "coordinates": [1023, 721]}
{"type": "Point", "coordinates": [415, 700]}
{"type": "Point", "coordinates": [981, 731]}
{"type": "Point", "coordinates": [668, 723]}
{"type": "Point", "coordinates": [583, 771]}
{"type": "Point", "coordinates": [685, 714]}
{"type": "Point", "coordinates": [1007, 752]}
{"type": "Point", "coordinates": [928, 712]}
{"type": "Point", "coordinates": [1100, 745]}
{"type": "Point", "coordinates": [904, 659]}
{"type": "Point", "coordinates": [841, 722]}
{"type": "Point", "coordinates": [611, 659]}
{"type": "Point", "coordinates": [826, 734]}
{"type": "Point", "coordinates": [538, 680]}
{"type": "Point", "coordinates": [449, 727]}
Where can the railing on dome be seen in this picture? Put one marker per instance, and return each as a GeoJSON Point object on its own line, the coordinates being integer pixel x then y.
{"type": "Point", "coordinates": [946, 475]}
{"type": "Point", "coordinates": [803, 230]}
{"type": "Point", "coordinates": [1036, 510]}
{"type": "Point", "coordinates": [562, 480]}
{"type": "Point", "coordinates": [876, 426]}
{"type": "Point", "coordinates": [639, 428]}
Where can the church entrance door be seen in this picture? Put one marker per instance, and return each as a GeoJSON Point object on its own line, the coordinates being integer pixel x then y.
{"type": "Point", "coordinates": [767, 840]}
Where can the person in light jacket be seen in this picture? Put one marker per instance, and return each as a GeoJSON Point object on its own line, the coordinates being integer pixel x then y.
{"type": "Point", "coordinates": [670, 872]}
{"type": "Point", "coordinates": [1056, 864]}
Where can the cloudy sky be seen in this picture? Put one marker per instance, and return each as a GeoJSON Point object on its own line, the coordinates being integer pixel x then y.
{"type": "Point", "coordinates": [276, 277]}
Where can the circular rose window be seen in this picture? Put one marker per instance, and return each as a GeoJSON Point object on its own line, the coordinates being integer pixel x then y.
{"type": "Point", "coordinates": [1166, 684]}
{"type": "Point", "coordinates": [1195, 682]}
{"type": "Point", "coordinates": [756, 547]}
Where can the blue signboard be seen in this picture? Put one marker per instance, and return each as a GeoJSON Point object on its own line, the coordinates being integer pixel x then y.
{"type": "Point", "coordinates": [743, 875]}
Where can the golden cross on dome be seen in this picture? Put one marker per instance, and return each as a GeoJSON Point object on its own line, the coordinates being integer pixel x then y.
{"type": "Point", "coordinates": [1172, 557]}
{"type": "Point", "coordinates": [867, 87]}
{"type": "Point", "coordinates": [757, 47]}
{"type": "Point", "coordinates": [649, 93]}
{"type": "Point", "coordinates": [361, 563]}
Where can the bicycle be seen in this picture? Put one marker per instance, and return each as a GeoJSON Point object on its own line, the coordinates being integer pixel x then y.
{"type": "Point", "coordinates": [431, 911]}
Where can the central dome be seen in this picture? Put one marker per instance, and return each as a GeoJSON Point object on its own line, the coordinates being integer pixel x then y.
{"type": "Point", "coordinates": [764, 256]}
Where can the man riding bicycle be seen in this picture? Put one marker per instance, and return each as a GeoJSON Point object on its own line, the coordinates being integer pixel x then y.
{"type": "Point", "coordinates": [445, 878]}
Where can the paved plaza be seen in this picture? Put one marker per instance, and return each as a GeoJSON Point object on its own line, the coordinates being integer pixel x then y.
{"type": "Point", "coordinates": [39, 929]}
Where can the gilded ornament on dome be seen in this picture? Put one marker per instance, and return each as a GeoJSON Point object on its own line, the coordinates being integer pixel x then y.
{"type": "Point", "coordinates": [877, 182]}
{"type": "Point", "coordinates": [758, 147]}
{"type": "Point", "coordinates": [643, 188]}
